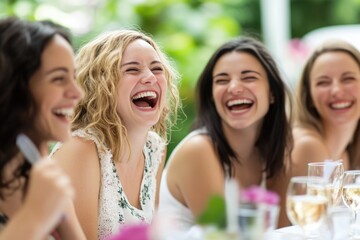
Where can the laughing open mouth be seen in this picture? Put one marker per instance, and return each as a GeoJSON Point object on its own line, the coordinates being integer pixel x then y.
{"type": "Point", "coordinates": [64, 112]}
{"type": "Point", "coordinates": [239, 104]}
{"type": "Point", "coordinates": [146, 99]}
{"type": "Point", "coordinates": [341, 105]}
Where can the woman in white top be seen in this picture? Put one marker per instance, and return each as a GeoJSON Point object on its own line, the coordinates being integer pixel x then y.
{"type": "Point", "coordinates": [116, 155]}
{"type": "Point", "coordinates": [328, 110]}
{"type": "Point", "coordinates": [242, 131]}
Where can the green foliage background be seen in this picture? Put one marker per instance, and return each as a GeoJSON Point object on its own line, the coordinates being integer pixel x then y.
{"type": "Point", "coordinates": [188, 30]}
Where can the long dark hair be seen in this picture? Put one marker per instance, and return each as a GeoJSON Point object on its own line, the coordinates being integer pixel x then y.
{"type": "Point", "coordinates": [21, 46]}
{"type": "Point", "coordinates": [275, 139]}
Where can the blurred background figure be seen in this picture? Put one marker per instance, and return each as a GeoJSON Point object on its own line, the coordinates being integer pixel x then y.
{"type": "Point", "coordinates": [328, 107]}
{"type": "Point", "coordinates": [38, 94]}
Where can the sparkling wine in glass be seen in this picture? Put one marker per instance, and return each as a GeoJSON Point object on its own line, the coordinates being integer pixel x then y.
{"type": "Point", "coordinates": [351, 199]}
{"type": "Point", "coordinates": [332, 172]}
{"type": "Point", "coordinates": [304, 208]}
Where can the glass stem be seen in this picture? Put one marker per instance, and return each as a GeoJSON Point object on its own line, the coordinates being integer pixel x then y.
{"type": "Point", "coordinates": [357, 218]}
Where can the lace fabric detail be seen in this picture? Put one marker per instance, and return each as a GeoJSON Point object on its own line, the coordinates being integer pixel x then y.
{"type": "Point", "coordinates": [114, 207]}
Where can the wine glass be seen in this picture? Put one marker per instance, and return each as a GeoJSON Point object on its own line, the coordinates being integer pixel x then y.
{"type": "Point", "coordinates": [332, 173]}
{"type": "Point", "coordinates": [351, 198]}
{"type": "Point", "coordinates": [303, 207]}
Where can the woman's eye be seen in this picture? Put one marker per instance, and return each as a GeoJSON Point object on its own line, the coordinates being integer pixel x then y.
{"type": "Point", "coordinates": [221, 81]}
{"type": "Point", "coordinates": [132, 70]}
{"type": "Point", "coordinates": [322, 83]}
{"type": "Point", "coordinates": [249, 78]}
{"type": "Point", "coordinates": [59, 79]}
{"type": "Point", "coordinates": [348, 79]}
{"type": "Point", "coordinates": [157, 69]}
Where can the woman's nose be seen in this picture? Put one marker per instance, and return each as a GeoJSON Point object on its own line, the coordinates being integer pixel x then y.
{"type": "Point", "coordinates": [236, 86]}
{"type": "Point", "coordinates": [75, 91]}
{"type": "Point", "coordinates": [148, 77]}
{"type": "Point", "coordinates": [337, 88]}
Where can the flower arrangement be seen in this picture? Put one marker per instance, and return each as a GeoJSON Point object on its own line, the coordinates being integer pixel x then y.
{"type": "Point", "coordinates": [258, 212]}
{"type": "Point", "coordinates": [139, 231]}
{"type": "Point", "coordinates": [259, 195]}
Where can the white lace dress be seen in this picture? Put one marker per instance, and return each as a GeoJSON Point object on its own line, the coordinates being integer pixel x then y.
{"type": "Point", "coordinates": [114, 207]}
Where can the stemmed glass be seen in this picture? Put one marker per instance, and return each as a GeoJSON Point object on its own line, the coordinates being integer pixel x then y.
{"type": "Point", "coordinates": [303, 207]}
{"type": "Point", "coordinates": [351, 198]}
{"type": "Point", "coordinates": [332, 172]}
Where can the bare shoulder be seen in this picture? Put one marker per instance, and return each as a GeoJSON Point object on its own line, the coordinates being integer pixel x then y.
{"type": "Point", "coordinates": [194, 173]}
{"type": "Point", "coordinates": [308, 142]}
{"type": "Point", "coordinates": [309, 147]}
{"type": "Point", "coordinates": [195, 161]}
{"type": "Point", "coordinates": [79, 159]}
{"type": "Point", "coordinates": [78, 154]}
{"type": "Point", "coordinates": [196, 151]}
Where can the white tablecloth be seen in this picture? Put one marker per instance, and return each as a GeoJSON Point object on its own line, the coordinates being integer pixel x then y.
{"type": "Point", "coordinates": [287, 233]}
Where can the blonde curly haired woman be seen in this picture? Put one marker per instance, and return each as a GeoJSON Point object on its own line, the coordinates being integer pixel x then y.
{"type": "Point", "coordinates": [116, 155]}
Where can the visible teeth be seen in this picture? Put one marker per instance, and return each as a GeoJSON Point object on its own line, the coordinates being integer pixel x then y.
{"type": "Point", "coordinates": [238, 101]}
{"type": "Point", "coordinates": [64, 111]}
{"type": "Point", "coordinates": [145, 94]}
{"type": "Point", "coordinates": [341, 105]}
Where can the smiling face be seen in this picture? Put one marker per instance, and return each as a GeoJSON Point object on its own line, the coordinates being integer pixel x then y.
{"type": "Point", "coordinates": [142, 87]}
{"type": "Point", "coordinates": [55, 92]}
{"type": "Point", "coordinates": [335, 87]}
{"type": "Point", "coordinates": [241, 90]}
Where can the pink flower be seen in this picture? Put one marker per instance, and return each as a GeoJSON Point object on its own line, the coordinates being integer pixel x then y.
{"type": "Point", "coordinates": [132, 232]}
{"type": "Point", "coordinates": [257, 195]}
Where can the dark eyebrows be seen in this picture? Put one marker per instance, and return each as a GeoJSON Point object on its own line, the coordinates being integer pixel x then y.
{"type": "Point", "coordinates": [250, 71]}
{"type": "Point", "coordinates": [243, 72]}
{"type": "Point", "coordinates": [63, 69]}
{"type": "Point", "coordinates": [220, 75]}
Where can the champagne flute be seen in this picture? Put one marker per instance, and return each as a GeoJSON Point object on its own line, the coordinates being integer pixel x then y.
{"type": "Point", "coordinates": [351, 198]}
{"type": "Point", "coordinates": [305, 208]}
{"type": "Point", "coordinates": [332, 173]}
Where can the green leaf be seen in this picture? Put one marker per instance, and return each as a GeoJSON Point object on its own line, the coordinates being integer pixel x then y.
{"type": "Point", "coordinates": [214, 213]}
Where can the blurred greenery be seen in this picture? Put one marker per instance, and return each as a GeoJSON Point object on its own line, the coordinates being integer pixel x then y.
{"type": "Point", "coordinates": [214, 213]}
{"type": "Point", "coordinates": [188, 30]}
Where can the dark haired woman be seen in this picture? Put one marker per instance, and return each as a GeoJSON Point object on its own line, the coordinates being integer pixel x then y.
{"type": "Point", "coordinates": [242, 131]}
{"type": "Point", "coordinates": [38, 93]}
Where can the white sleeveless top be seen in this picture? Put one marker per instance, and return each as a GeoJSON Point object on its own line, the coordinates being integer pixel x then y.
{"type": "Point", "coordinates": [170, 207]}
{"type": "Point", "coordinates": [114, 207]}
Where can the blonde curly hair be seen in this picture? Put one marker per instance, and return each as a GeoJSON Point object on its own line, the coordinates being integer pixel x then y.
{"type": "Point", "coordinates": [98, 73]}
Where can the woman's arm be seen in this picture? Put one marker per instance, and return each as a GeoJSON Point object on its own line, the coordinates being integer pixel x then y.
{"type": "Point", "coordinates": [195, 174]}
{"type": "Point", "coordinates": [69, 227]}
{"type": "Point", "coordinates": [80, 161]}
{"type": "Point", "coordinates": [158, 178]}
{"type": "Point", "coordinates": [307, 148]}
{"type": "Point", "coordinates": [279, 184]}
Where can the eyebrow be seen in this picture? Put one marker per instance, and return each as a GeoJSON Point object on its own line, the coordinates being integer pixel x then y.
{"type": "Point", "coordinates": [63, 69]}
{"type": "Point", "coordinates": [348, 72]}
{"type": "Point", "coordinates": [251, 71]}
{"type": "Point", "coordinates": [243, 72]}
{"type": "Point", "coordinates": [220, 75]}
{"type": "Point", "coordinates": [137, 63]}
{"type": "Point", "coordinates": [320, 77]}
